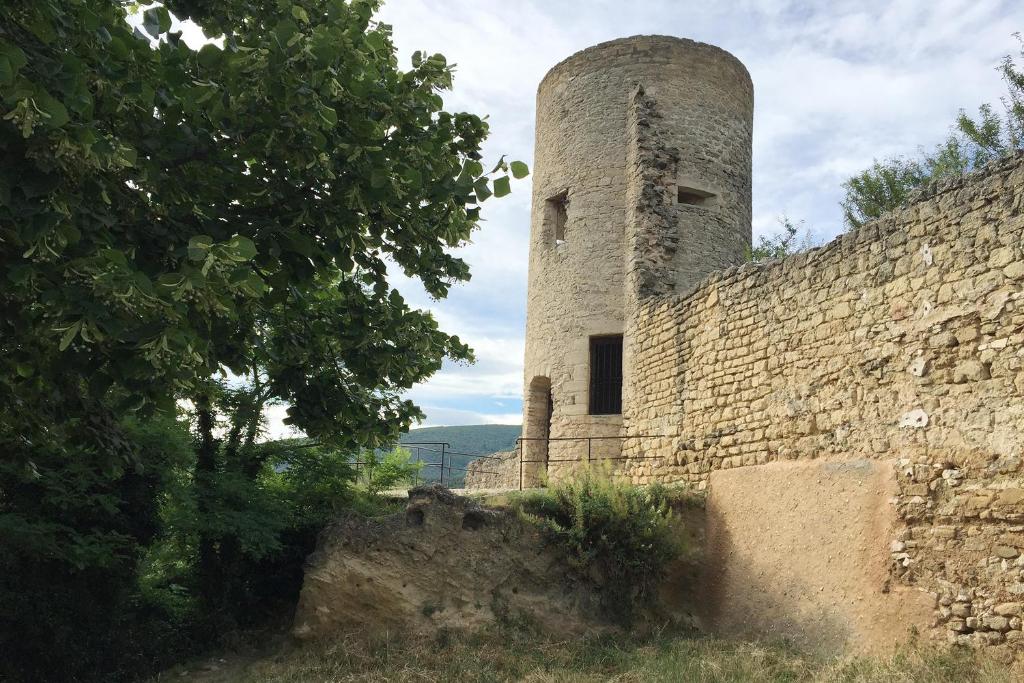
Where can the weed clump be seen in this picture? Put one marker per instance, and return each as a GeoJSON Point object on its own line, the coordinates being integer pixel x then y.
{"type": "Point", "coordinates": [618, 537]}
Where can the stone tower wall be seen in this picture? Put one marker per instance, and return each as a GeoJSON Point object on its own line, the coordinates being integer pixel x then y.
{"type": "Point", "coordinates": [901, 343]}
{"type": "Point", "coordinates": [585, 151]}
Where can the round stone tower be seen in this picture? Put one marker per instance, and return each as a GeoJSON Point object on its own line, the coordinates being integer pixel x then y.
{"type": "Point", "coordinates": [589, 153]}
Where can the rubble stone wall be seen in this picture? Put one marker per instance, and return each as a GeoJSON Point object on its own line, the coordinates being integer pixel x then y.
{"type": "Point", "coordinates": [497, 471]}
{"type": "Point", "coordinates": [901, 341]}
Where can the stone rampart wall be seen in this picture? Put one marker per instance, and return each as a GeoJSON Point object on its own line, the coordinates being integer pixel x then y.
{"type": "Point", "coordinates": [498, 471]}
{"type": "Point", "coordinates": [901, 341]}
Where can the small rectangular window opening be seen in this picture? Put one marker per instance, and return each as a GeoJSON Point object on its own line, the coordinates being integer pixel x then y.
{"type": "Point", "coordinates": [606, 375]}
{"type": "Point", "coordinates": [556, 214]}
{"type": "Point", "coordinates": [695, 197]}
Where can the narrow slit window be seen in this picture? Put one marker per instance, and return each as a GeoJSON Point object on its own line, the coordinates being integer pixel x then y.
{"type": "Point", "coordinates": [606, 375]}
{"type": "Point", "coordinates": [556, 214]}
{"type": "Point", "coordinates": [695, 197]}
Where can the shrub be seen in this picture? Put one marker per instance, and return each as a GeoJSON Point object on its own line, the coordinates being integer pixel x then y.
{"type": "Point", "coordinates": [618, 537]}
{"type": "Point", "coordinates": [382, 472]}
{"type": "Point", "coordinates": [784, 242]}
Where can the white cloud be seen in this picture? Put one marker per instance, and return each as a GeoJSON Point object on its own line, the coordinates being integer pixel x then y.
{"type": "Point", "coordinates": [447, 417]}
{"type": "Point", "coordinates": [837, 84]}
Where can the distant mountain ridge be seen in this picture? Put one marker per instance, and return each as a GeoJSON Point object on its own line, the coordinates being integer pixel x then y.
{"type": "Point", "coordinates": [463, 444]}
{"type": "Point", "coordinates": [471, 439]}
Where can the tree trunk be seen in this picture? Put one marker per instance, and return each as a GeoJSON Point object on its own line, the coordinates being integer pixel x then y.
{"type": "Point", "coordinates": [206, 470]}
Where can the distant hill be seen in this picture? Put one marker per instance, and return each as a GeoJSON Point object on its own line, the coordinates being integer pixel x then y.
{"type": "Point", "coordinates": [464, 443]}
{"type": "Point", "coordinates": [474, 439]}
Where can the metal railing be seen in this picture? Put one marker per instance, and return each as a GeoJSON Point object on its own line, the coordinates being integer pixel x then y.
{"type": "Point", "coordinates": [589, 453]}
{"type": "Point", "coordinates": [444, 465]}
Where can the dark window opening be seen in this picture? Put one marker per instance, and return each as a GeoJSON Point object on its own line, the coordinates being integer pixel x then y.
{"type": "Point", "coordinates": [606, 375]}
{"type": "Point", "coordinates": [556, 214]}
{"type": "Point", "coordinates": [695, 197]}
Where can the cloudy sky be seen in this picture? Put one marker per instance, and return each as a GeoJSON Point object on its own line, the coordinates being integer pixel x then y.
{"type": "Point", "coordinates": [836, 84]}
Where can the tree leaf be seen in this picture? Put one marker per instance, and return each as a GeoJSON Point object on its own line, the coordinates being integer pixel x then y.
{"type": "Point", "coordinates": [12, 59]}
{"type": "Point", "coordinates": [118, 48]}
{"type": "Point", "coordinates": [285, 30]}
{"type": "Point", "coordinates": [200, 242]}
{"type": "Point", "coordinates": [56, 112]}
{"type": "Point", "coordinates": [69, 335]}
{"type": "Point", "coordinates": [6, 71]}
{"type": "Point", "coordinates": [502, 186]}
{"type": "Point", "coordinates": [482, 190]}
{"type": "Point", "coordinates": [14, 54]}
{"type": "Point", "coordinates": [165, 20]}
{"type": "Point", "coordinates": [209, 56]}
{"type": "Point", "coordinates": [375, 41]}
{"type": "Point", "coordinates": [412, 176]}
{"type": "Point", "coordinates": [198, 246]}
{"type": "Point", "coordinates": [255, 284]}
{"type": "Point", "coordinates": [519, 170]}
{"type": "Point", "coordinates": [156, 21]}
{"type": "Point", "coordinates": [379, 177]}
{"type": "Point", "coordinates": [41, 26]}
{"type": "Point", "coordinates": [243, 248]}
{"type": "Point", "coordinates": [328, 116]}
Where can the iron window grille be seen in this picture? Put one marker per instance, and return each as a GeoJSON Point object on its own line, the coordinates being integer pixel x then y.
{"type": "Point", "coordinates": [606, 375]}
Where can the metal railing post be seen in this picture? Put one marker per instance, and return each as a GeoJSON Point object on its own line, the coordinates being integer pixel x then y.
{"type": "Point", "coordinates": [416, 480]}
{"type": "Point", "coordinates": [589, 442]}
{"type": "Point", "coordinates": [521, 464]}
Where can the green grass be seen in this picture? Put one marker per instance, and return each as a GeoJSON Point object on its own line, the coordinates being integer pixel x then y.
{"type": "Point", "coordinates": [514, 655]}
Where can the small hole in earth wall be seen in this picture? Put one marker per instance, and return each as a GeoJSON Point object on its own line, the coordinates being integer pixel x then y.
{"type": "Point", "coordinates": [414, 517]}
{"type": "Point", "coordinates": [473, 521]}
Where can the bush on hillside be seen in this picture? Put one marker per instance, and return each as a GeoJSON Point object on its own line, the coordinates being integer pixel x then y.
{"type": "Point", "coordinates": [618, 537]}
{"type": "Point", "coordinates": [380, 472]}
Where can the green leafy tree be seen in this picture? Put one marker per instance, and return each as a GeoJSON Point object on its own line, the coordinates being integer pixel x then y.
{"type": "Point", "coordinates": [993, 135]}
{"type": "Point", "coordinates": [973, 143]}
{"type": "Point", "coordinates": [388, 470]}
{"type": "Point", "coordinates": [76, 516]}
{"type": "Point", "coordinates": [879, 189]}
{"type": "Point", "coordinates": [786, 241]}
{"type": "Point", "coordinates": [160, 202]}
{"type": "Point", "coordinates": [234, 547]}
{"type": "Point", "coordinates": [171, 214]}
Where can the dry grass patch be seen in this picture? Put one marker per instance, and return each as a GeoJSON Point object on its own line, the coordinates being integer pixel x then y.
{"type": "Point", "coordinates": [516, 655]}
